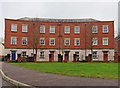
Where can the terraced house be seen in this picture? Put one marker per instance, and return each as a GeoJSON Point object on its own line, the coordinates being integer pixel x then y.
{"type": "Point", "coordinates": [71, 39]}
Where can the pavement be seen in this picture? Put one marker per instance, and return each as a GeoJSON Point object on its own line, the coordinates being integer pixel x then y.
{"type": "Point", "coordinates": [35, 79]}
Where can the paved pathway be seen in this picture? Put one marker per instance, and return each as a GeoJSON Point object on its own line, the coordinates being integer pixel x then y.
{"type": "Point", "coordinates": [6, 84]}
{"type": "Point", "coordinates": [43, 79]}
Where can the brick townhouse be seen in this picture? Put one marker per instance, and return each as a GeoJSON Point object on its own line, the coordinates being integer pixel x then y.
{"type": "Point", "coordinates": [118, 44]}
{"type": "Point", "coordinates": [117, 47]}
{"type": "Point", "coordinates": [73, 39]}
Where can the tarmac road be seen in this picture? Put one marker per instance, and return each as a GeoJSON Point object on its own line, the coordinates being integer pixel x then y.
{"type": "Point", "coordinates": [5, 84]}
{"type": "Point", "coordinates": [44, 79]}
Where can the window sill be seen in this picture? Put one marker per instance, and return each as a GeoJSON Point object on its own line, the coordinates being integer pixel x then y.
{"type": "Point", "coordinates": [42, 45]}
{"type": "Point", "coordinates": [24, 56]}
{"type": "Point", "coordinates": [105, 45]}
{"type": "Point", "coordinates": [24, 45]}
{"type": "Point", "coordinates": [105, 33]}
{"type": "Point", "coordinates": [94, 32]}
{"type": "Point", "coordinates": [42, 57]}
{"type": "Point", "coordinates": [52, 45]}
{"type": "Point", "coordinates": [24, 32]}
{"type": "Point", "coordinates": [94, 45]}
{"type": "Point", "coordinates": [52, 33]}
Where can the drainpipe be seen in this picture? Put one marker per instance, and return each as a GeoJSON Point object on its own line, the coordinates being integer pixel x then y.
{"type": "Point", "coordinates": [59, 36]}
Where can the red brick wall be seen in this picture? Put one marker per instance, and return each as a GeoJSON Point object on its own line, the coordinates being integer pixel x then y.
{"type": "Point", "coordinates": [119, 47]}
{"type": "Point", "coordinates": [47, 35]}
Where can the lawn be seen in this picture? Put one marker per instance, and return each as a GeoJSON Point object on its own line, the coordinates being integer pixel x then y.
{"type": "Point", "coordinates": [90, 70]}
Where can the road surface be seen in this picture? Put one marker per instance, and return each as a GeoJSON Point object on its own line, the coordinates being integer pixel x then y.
{"type": "Point", "coordinates": [5, 84]}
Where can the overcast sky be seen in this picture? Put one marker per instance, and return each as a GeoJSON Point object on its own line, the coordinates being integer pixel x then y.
{"type": "Point", "coordinates": [97, 10]}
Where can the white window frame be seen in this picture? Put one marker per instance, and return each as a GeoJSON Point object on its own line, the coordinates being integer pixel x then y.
{"type": "Point", "coordinates": [95, 55]}
{"type": "Point", "coordinates": [95, 41]}
{"type": "Point", "coordinates": [41, 43]}
{"type": "Point", "coordinates": [76, 29]}
{"type": "Point", "coordinates": [42, 28]}
{"type": "Point", "coordinates": [95, 29]}
{"type": "Point", "coordinates": [105, 30]}
{"type": "Point", "coordinates": [52, 29]}
{"type": "Point", "coordinates": [13, 40]}
{"type": "Point", "coordinates": [67, 29]}
{"type": "Point", "coordinates": [24, 39]}
{"type": "Point", "coordinates": [42, 54]}
{"type": "Point", "coordinates": [32, 54]}
{"type": "Point", "coordinates": [24, 28]}
{"type": "Point", "coordinates": [67, 40]}
{"type": "Point", "coordinates": [77, 55]}
{"type": "Point", "coordinates": [105, 42]}
{"type": "Point", "coordinates": [75, 41]}
{"type": "Point", "coordinates": [14, 27]}
{"type": "Point", "coordinates": [50, 41]}
{"type": "Point", "coordinates": [24, 54]}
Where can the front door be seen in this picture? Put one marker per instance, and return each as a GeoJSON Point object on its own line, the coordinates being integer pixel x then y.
{"type": "Point", "coordinates": [66, 56]}
{"type": "Point", "coordinates": [77, 56]}
{"type": "Point", "coordinates": [13, 58]}
{"type": "Point", "coordinates": [51, 56]}
{"type": "Point", "coordinates": [105, 56]}
{"type": "Point", "coordinates": [74, 58]}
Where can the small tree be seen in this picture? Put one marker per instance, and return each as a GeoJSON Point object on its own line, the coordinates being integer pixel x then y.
{"type": "Point", "coordinates": [34, 38]}
{"type": "Point", "coordinates": [91, 43]}
{"type": "Point", "coordinates": [89, 38]}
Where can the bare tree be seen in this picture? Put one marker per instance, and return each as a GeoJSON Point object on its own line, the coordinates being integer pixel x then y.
{"type": "Point", "coordinates": [34, 38]}
{"type": "Point", "coordinates": [89, 39]}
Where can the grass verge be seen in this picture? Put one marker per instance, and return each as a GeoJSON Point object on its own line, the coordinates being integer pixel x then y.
{"type": "Point", "coordinates": [89, 70]}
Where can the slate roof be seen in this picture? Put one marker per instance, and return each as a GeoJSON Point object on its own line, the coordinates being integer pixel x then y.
{"type": "Point", "coordinates": [58, 20]}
